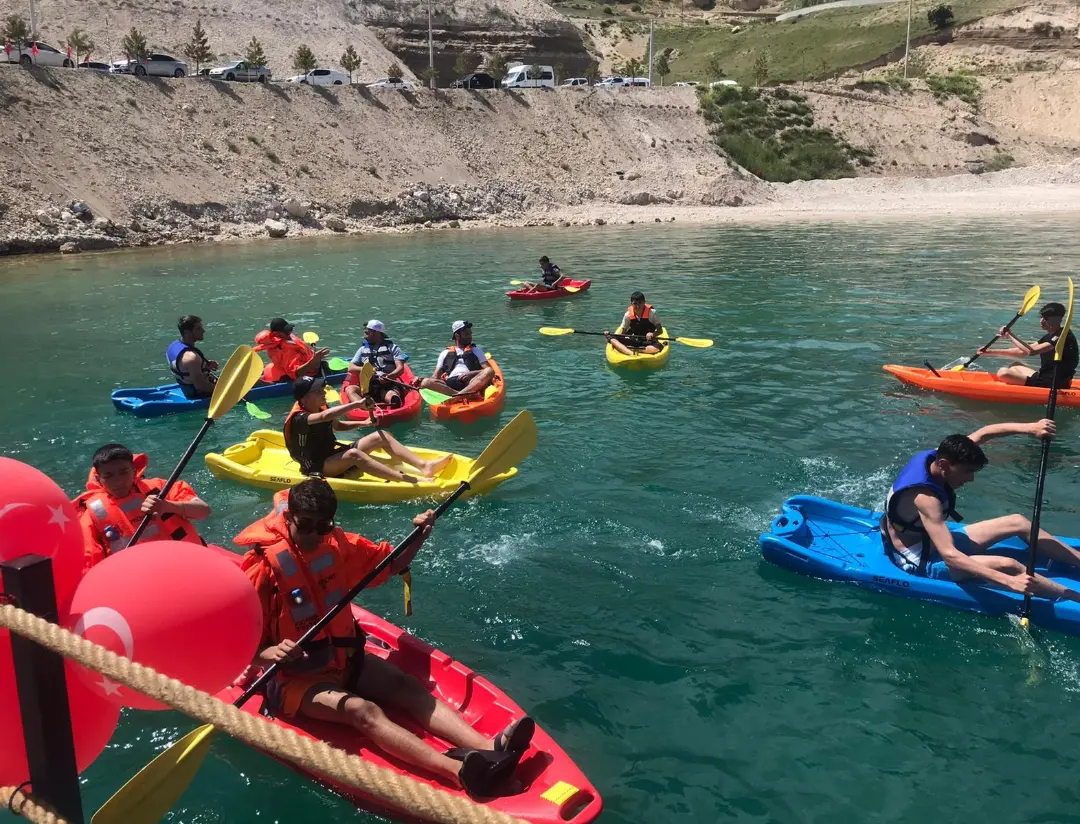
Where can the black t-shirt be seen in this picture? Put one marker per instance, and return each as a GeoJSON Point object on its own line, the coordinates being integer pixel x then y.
{"type": "Point", "coordinates": [1069, 358]}
{"type": "Point", "coordinates": [309, 444]}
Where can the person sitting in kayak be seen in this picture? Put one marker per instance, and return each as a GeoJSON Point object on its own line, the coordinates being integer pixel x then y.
{"type": "Point", "coordinates": [914, 531]}
{"type": "Point", "coordinates": [551, 275]}
{"type": "Point", "coordinates": [301, 563]}
{"type": "Point", "coordinates": [290, 357]}
{"type": "Point", "coordinates": [117, 498]}
{"type": "Point", "coordinates": [1051, 318]}
{"type": "Point", "coordinates": [462, 368]}
{"type": "Point", "coordinates": [640, 325]}
{"type": "Point", "coordinates": [189, 365]}
{"type": "Point", "coordinates": [389, 362]}
{"type": "Point", "coordinates": [309, 436]}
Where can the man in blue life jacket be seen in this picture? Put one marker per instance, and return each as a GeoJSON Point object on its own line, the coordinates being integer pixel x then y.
{"type": "Point", "coordinates": [191, 368]}
{"type": "Point", "coordinates": [462, 368]}
{"type": "Point", "coordinates": [917, 539]}
{"type": "Point", "coordinates": [389, 363]}
{"type": "Point", "coordinates": [1052, 316]}
{"type": "Point", "coordinates": [550, 274]}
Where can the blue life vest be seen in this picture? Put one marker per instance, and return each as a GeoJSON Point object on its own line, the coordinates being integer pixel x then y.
{"type": "Point", "coordinates": [173, 354]}
{"type": "Point", "coordinates": [551, 274]}
{"type": "Point", "coordinates": [916, 475]}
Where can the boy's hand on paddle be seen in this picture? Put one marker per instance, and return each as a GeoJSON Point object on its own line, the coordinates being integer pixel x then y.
{"type": "Point", "coordinates": [1022, 584]}
{"type": "Point", "coordinates": [425, 520]}
{"type": "Point", "coordinates": [1045, 428]}
{"type": "Point", "coordinates": [321, 354]}
{"type": "Point", "coordinates": [286, 651]}
{"type": "Point", "coordinates": [154, 504]}
{"type": "Point", "coordinates": [213, 365]}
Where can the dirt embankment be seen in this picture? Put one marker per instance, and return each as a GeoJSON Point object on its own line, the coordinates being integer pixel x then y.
{"type": "Point", "coordinates": [164, 160]}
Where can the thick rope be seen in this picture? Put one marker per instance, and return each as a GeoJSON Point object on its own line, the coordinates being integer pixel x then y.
{"type": "Point", "coordinates": [22, 803]}
{"type": "Point", "coordinates": [421, 800]}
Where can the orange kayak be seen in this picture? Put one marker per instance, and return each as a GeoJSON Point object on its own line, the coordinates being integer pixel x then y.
{"type": "Point", "coordinates": [472, 408]}
{"type": "Point", "coordinates": [980, 386]}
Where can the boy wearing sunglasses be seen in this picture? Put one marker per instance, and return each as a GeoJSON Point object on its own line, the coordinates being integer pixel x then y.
{"type": "Point", "coordinates": [301, 564]}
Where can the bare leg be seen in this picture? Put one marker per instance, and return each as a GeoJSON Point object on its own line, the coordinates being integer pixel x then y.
{"type": "Point", "coordinates": [384, 440]}
{"type": "Point", "coordinates": [337, 465]}
{"type": "Point", "coordinates": [1017, 374]}
{"type": "Point", "coordinates": [478, 381]}
{"type": "Point", "coordinates": [352, 394]}
{"type": "Point", "coordinates": [619, 346]}
{"type": "Point", "coordinates": [1042, 588]}
{"type": "Point", "coordinates": [984, 534]}
{"type": "Point", "coordinates": [437, 385]}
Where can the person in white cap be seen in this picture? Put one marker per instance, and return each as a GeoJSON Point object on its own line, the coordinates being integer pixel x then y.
{"type": "Point", "coordinates": [388, 360]}
{"type": "Point", "coordinates": [462, 368]}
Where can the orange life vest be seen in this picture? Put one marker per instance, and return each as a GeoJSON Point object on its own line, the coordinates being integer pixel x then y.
{"type": "Point", "coordinates": [287, 353]}
{"type": "Point", "coordinates": [308, 584]}
{"type": "Point", "coordinates": [640, 324]}
{"type": "Point", "coordinates": [112, 521]}
{"type": "Point", "coordinates": [643, 316]}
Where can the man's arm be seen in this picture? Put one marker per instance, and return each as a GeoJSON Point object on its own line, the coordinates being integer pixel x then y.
{"type": "Point", "coordinates": [1044, 428]}
{"type": "Point", "coordinates": [439, 365]}
{"type": "Point", "coordinates": [312, 364]}
{"type": "Point", "coordinates": [332, 413]}
{"type": "Point", "coordinates": [399, 367]}
{"type": "Point", "coordinates": [190, 363]}
{"type": "Point", "coordinates": [656, 322]}
{"type": "Point", "coordinates": [933, 521]}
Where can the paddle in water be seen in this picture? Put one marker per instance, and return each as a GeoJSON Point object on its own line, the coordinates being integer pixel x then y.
{"type": "Point", "coordinates": [155, 789]}
{"type": "Point", "coordinates": [1030, 299]}
{"type": "Point", "coordinates": [554, 331]}
{"type": "Point", "coordinates": [243, 370]}
{"type": "Point", "coordinates": [1051, 406]}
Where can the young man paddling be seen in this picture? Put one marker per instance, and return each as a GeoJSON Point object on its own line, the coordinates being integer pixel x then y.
{"type": "Point", "coordinates": [1052, 316]}
{"type": "Point", "coordinates": [640, 324]}
{"type": "Point", "coordinates": [191, 368]}
{"type": "Point", "coordinates": [309, 436]}
{"type": "Point", "coordinates": [301, 564]}
{"type": "Point", "coordinates": [550, 276]}
{"type": "Point", "coordinates": [917, 539]}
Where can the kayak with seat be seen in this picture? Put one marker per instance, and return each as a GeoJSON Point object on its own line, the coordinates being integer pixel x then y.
{"type": "Point", "coordinates": [155, 401]}
{"type": "Point", "coordinates": [264, 461]}
{"type": "Point", "coordinates": [980, 386]}
{"type": "Point", "coordinates": [470, 408]}
{"type": "Point", "coordinates": [829, 540]}
{"type": "Point", "coordinates": [523, 293]}
{"type": "Point", "coordinates": [639, 360]}
{"type": "Point", "coordinates": [554, 790]}
{"type": "Point", "coordinates": [384, 413]}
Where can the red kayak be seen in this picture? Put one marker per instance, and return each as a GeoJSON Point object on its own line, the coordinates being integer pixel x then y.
{"type": "Point", "coordinates": [384, 414]}
{"type": "Point", "coordinates": [578, 286]}
{"type": "Point", "coordinates": [554, 790]}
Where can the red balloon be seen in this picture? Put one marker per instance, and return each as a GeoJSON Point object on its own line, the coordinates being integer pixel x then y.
{"type": "Point", "coordinates": [93, 719]}
{"type": "Point", "coordinates": [36, 517]}
{"type": "Point", "coordinates": [183, 609]}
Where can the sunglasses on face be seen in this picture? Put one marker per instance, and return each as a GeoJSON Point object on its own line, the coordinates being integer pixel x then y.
{"type": "Point", "coordinates": [309, 525]}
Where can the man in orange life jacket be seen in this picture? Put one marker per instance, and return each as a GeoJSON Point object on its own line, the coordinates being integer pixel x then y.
{"type": "Point", "coordinates": [301, 565]}
{"type": "Point", "coordinates": [462, 367]}
{"type": "Point", "coordinates": [191, 368]}
{"type": "Point", "coordinates": [117, 498]}
{"type": "Point", "coordinates": [641, 325]}
{"type": "Point", "coordinates": [309, 436]}
{"type": "Point", "coordinates": [290, 357]}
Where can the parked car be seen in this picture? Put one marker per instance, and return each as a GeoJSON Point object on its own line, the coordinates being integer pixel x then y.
{"type": "Point", "coordinates": [322, 77]}
{"type": "Point", "coordinates": [390, 83]}
{"type": "Point", "coordinates": [614, 82]}
{"type": "Point", "coordinates": [520, 76]}
{"type": "Point", "coordinates": [687, 83]}
{"type": "Point", "coordinates": [94, 66]}
{"type": "Point", "coordinates": [723, 83]}
{"type": "Point", "coordinates": [575, 81]}
{"type": "Point", "coordinates": [46, 56]}
{"type": "Point", "coordinates": [476, 80]}
{"type": "Point", "coordinates": [241, 72]}
{"type": "Point", "coordinates": [639, 81]}
{"type": "Point", "coordinates": [155, 65]}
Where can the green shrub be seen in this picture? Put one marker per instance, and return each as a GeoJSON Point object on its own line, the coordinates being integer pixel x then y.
{"type": "Point", "coordinates": [961, 85]}
{"type": "Point", "coordinates": [999, 162]}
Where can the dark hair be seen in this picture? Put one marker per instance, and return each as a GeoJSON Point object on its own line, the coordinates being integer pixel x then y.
{"type": "Point", "coordinates": [960, 449]}
{"type": "Point", "coordinates": [187, 323]}
{"type": "Point", "coordinates": [111, 452]}
{"type": "Point", "coordinates": [313, 497]}
{"type": "Point", "coordinates": [637, 296]}
{"type": "Point", "coordinates": [544, 259]}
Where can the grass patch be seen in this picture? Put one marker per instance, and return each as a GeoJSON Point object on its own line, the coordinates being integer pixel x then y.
{"type": "Point", "coordinates": [961, 85]}
{"type": "Point", "coordinates": [999, 162]}
{"type": "Point", "coordinates": [305, 169]}
{"type": "Point", "coordinates": [771, 133]}
{"type": "Point", "coordinates": [232, 147]}
{"type": "Point", "coordinates": [206, 144]}
{"type": "Point", "coordinates": [272, 156]}
{"type": "Point", "coordinates": [254, 140]}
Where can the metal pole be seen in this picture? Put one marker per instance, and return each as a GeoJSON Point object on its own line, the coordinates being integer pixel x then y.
{"type": "Point", "coordinates": [430, 48]}
{"type": "Point", "coordinates": [33, 21]}
{"type": "Point", "coordinates": [650, 50]}
{"type": "Point", "coordinates": [42, 690]}
{"type": "Point", "coordinates": [907, 46]}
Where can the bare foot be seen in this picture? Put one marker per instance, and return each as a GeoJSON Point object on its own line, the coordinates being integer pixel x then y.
{"type": "Point", "coordinates": [432, 469]}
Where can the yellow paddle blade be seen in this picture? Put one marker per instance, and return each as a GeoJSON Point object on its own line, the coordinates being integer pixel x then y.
{"type": "Point", "coordinates": [310, 338]}
{"type": "Point", "coordinates": [507, 449]}
{"type": "Point", "coordinates": [332, 394]}
{"type": "Point", "coordinates": [555, 330]}
{"type": "Point", "coordinates": [1059, 349]}
{"type": "Point", "coordinates": [367, 371]}
{"type": "Point", "coordinates": [697, 343]}
{"type": "Point", "coordinates": [242, 371]}
{"type": "Point", "coordinates": [517, 283]}
{"type": "Point", "coordinates": [1030, 299]}
{"type": "Point", "coordinates": [572, 289]}
{"type": "Point", "coordinates": [156, 788]}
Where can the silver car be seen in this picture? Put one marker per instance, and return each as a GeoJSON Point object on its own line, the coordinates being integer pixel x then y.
{"type": "Point", "coordinates": [242, 72]}
{"type": "Point", "coordinates": [46, 55]}
{"type": "Point", "coordinates": [155, 65]}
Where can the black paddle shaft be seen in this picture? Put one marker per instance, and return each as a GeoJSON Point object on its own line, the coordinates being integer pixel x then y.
{"type": "Point", "coordinates": [172, 479]}
{"type": "Point", "coordinates": [994, 339]}
{"type": "Point", "coordinates": [321, 624]}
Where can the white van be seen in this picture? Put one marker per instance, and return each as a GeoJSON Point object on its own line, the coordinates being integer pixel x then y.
{"type": "Point", "coordinates": [520, 76]}
{"type": "Point", "coordinates": [638, 81]}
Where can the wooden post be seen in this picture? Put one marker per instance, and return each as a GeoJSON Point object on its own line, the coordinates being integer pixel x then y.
{"type": "Point", "coordinates": [42, 689]}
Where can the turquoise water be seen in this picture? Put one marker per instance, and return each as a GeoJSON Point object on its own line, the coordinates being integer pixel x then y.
{"type": "Point", "coordinates": [614, 588]}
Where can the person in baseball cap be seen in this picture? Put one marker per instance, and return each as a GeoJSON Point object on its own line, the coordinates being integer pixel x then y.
{"type": "Point", "coordinates": [1052, 316]}
{"type": "Point", "coordinates": [389, 362]}
{"type": "Point", "coordinates": [462, 368]}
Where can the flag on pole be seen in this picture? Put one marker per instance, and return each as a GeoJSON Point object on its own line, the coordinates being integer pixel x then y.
{"type": "Point", "coordinates": [7, 47]}
{"type": "Point", "coordinates": [69, 50]}
{"type": "Point", "coordinates": [34, 48]}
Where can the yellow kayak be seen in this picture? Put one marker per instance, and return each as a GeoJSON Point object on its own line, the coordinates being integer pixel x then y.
{"type": "Point", "coordinates": [639, 360]}
{"type": "Point", "coordinates": [263, 460]}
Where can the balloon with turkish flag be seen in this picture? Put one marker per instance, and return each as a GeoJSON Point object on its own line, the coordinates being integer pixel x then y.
{"type": "Point", "coordinates": [186, 610]}
{"type": "Point", "coordinates": [34, 48]}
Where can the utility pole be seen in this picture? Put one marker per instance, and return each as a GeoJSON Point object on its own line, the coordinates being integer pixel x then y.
{"type": "Point", "coordinates": [430, 49]}
{"type": "Point", "coordinates": [650, 50]}
{"type": "Point", "coordinates": [907, 47]}
{"type": "Point", "coordinates": [33, 21]}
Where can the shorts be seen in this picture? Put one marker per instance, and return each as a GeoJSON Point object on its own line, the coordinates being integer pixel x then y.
{"type": "Point", "coordinates": [1042, 381]}
{"type": "Point", "coordinates": [378, 389]}
{"type": "Point", "coordinates": [936, 569]}
{"type": "Point", "coordinates": [191, 393]}
{"type": "Point", "coordinates": [457, 382]}
{"type": "Point", "coordinates": [313, 465]}
{"type": "Point", "coordinates": [285, 694]}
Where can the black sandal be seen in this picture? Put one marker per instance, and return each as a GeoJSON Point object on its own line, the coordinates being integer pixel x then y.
{"type": "Point", "coordinates": [519, 738]}
{"type": "Point", "coordinates": [483, 772]}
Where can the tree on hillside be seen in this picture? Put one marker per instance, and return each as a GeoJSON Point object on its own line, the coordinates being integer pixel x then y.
{"type": "Point", "coordinates": [714, 68]}
{"type": "Point", "coordinates": [592, 73]}
{"type": "Point", "coordinates": [134, 46]}
{"type": "Point", "coordinates": [761, 69]}
{"type": "Point", "coordinates": [197, 49]}
{"type": "Point", "coordinates": [465, 63]}
{"type": "Point", "coordinates": [350, 60]}
{"type": "Point", "coordinates": [940, 16]}
{"type": "Point", "coordinates": [81, 44]}
{"type": "Point", "coordinates": [394, 72]}
{"type": "Point", "coordinates": [632, 68]}
{"type": "Point", "coordinates": [497, 66]}
{"type": "Point", "coordinates": [430, 75]}
{"type": "Point", "coordinates": [303, 59]}
{"type": "Point", "coordinates": [254, 54]}
{"type": "Point", "coordinates": [661, 66]}
{"type": "Point", "coordinates": [16, 31]}
{"type": "Point", "coordinates": [560, 71]}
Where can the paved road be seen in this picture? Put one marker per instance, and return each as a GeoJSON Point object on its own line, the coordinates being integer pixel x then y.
{"type": "Point", "coordinates": [838, 4]}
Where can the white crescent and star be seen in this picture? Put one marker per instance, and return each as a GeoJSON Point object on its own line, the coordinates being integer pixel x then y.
{"type": "Point", "coordinates": [57, 516]}
{"type": "Point", "coordinates": [110, 619]}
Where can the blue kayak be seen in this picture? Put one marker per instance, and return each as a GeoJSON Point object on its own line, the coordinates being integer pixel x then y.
{"type": "Point", "coordinates": [155, 401]}
{"type": "Point", "coordinates": [825, 539]}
